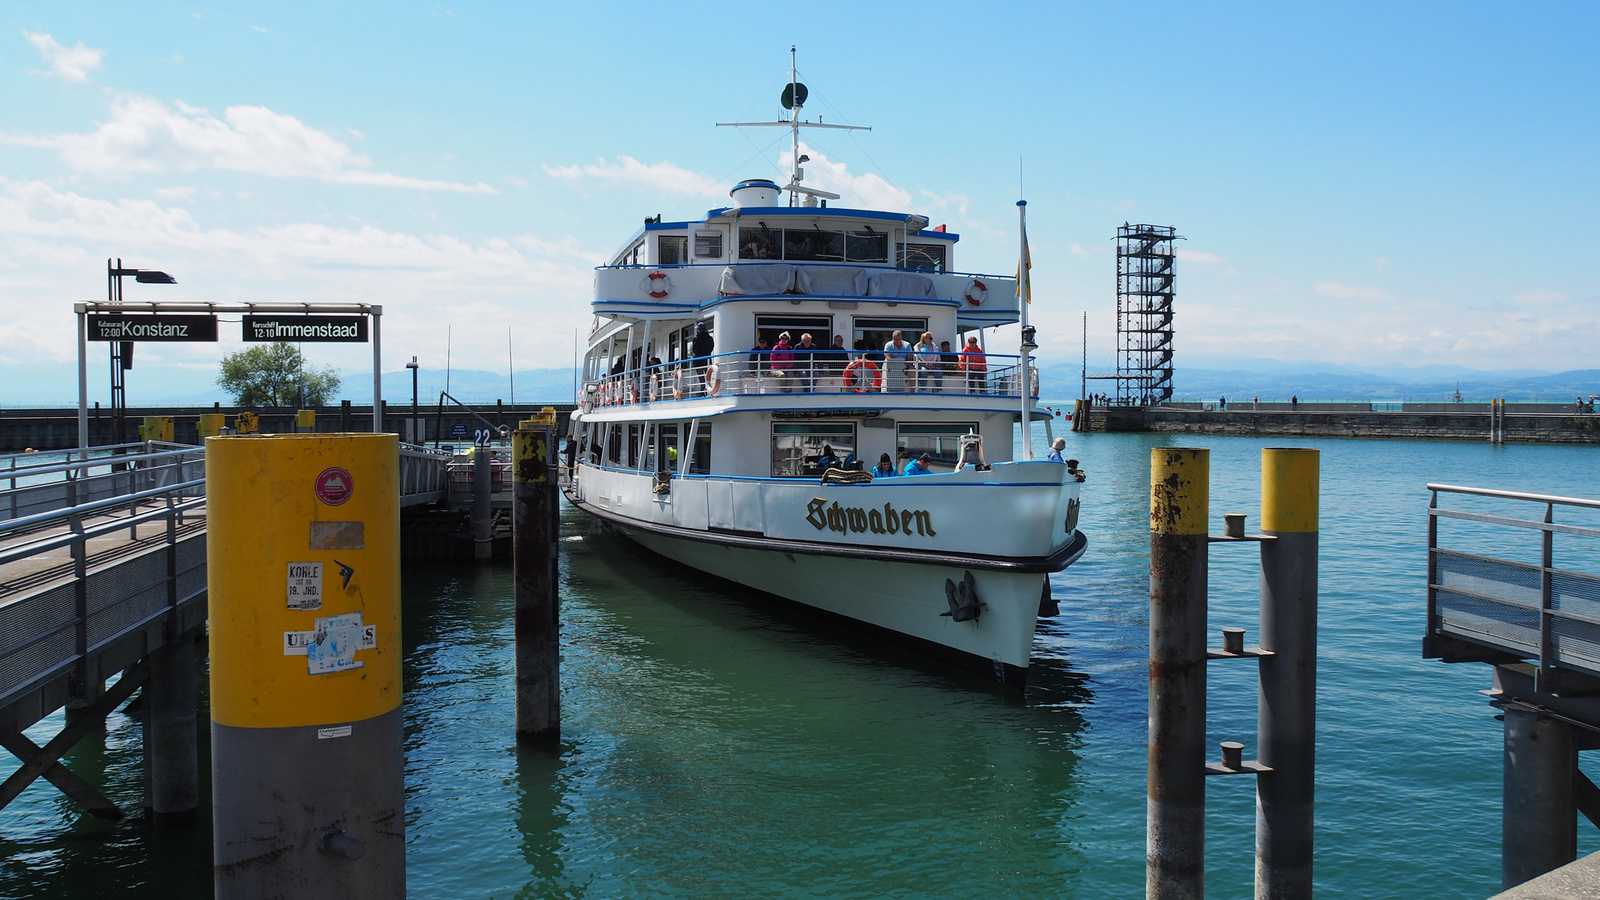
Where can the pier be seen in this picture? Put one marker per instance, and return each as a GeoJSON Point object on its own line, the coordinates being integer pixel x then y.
{"type": "Point", "coordinates": [1561, 423]}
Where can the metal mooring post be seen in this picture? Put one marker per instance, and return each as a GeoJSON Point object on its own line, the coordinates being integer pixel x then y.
{"type": "Point", "coordinates": [482, 510]}
{"type": "Point", "coordinates": [1175, 819]}
{"type": "Point", "coordinates": [172, 792]}
{"type": "Point", "coordinates": [308, 764]}
{"type": "Point", "coordinates": [536, 529]}
{"type": "Point", "coordinates": [1539, 821]}
{"type": "Point", "coordinates": [1286, 721]}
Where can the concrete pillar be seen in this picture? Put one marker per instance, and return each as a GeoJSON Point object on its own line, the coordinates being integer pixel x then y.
{"type": "Point", "coordinates": [170, 729]}
{"type": "Point", "coordinates": [536, 531]}
{"type": "Point", "coordinates": [1175, 813]}
{"type": "Point", "coordinates": [1539, 820]}
{"type": "Point", "coordinates": [1286, 714]}
{"type": "Point", "coordinates": [303, 559]}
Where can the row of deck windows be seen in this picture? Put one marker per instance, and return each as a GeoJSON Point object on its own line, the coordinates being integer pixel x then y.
{"type": "Point", "coordinates": [799, 449]}
{"type": "Point", "coordinates": [795, 245]}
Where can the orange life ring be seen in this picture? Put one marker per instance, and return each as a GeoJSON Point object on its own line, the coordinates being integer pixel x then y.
{"type": "Point", "coordinates": [976, 292]}
{"type": "Point", "coordinates": [712, 381]}
{"type": "Point", "coordinates": [656, 284]}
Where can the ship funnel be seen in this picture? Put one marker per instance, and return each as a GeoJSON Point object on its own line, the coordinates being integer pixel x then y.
{"type": "Point", "coordinates": [755, 192]}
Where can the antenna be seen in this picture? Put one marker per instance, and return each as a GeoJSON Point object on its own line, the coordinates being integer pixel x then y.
{"type": "Point", "coordinates": [794, 99]}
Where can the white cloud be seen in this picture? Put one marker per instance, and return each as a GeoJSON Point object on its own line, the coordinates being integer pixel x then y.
{"type": "Point", "coordinates": [71, 63]}
{"type": "Point", "coordinates": [1341, 291]}
{"type": "Point", "coordinates": [950, 200]}
{"type": "Point", "coordinates": [1542, 298]}
{"type": "Point", "coordinates": [174, 193]}
{"type": "Point", "coordinates": [1381, 264]}
{"type": "Point", "coordinates": [868, 191]}
{"type": "Point", "coordinates": [1079, 251]}
{"type": "Point", "coordinates": [145, 135]}
{"type": "Point", "coordinates": [662, 176]}
{"type": "Point", "coordinates": [1199, 257]}
{"type": "Point", "coordinates": [257, 28]}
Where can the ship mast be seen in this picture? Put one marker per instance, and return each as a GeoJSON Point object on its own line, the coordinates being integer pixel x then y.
{"type": "Point", "coordinates": [794, 99]}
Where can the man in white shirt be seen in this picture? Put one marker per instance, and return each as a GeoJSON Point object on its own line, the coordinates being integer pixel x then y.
{"type": "Point", "coordinates": [896, 359]}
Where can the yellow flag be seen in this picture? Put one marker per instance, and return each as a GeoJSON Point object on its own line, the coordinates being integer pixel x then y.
{"type": "Point", "coordinates": [1024, 266]}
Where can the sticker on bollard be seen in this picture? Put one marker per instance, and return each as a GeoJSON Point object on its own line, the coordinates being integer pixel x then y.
{"type": "Point", "coordinates": [334, 486]}
{"type": "Point", "coordinates": [305, 586]}
{"type": "Point", "coordinates": [296, 642]}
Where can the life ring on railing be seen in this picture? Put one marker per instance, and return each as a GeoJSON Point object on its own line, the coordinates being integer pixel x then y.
{"type": "Point", "coordinates": [633, 390]}
{"type": "Point", "coordinates": [656, 284]}
{"type": "Point", "coordinates": [655, 386]}
{"type": "Point", "coordinates": [712, 381]}
{"type": "Point", "coordinates": [677, 385]}
{"type": "Point", "coordinates": [976, 292]}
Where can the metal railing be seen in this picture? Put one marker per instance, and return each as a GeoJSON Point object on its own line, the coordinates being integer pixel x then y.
{"type": "Point", "coordinates": [808, 372]}
{"type": "Point", "coordinates": [1533, 610]}
{"type": "Point", "coordinates": [97, 473]}
{"type": "Point", "coordinates": [423, 477]}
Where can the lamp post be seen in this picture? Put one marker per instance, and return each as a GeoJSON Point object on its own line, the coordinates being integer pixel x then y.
{"type": "Point", "coordinates": [122, 351]}
{"type": "Point", "coordinates": [415, 438]}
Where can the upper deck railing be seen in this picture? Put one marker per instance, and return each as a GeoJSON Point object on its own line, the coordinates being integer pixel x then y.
{"type": "Point", "coordinates": [1492, 597]}
{"type": "Point", "coordinates": [807, 373]}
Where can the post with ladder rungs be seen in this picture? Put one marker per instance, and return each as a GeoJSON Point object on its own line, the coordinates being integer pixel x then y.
{"type": "Point", "coordinates": [536, 530]}
{"type": "Point", "coordinates": [1286, 716]}
{"type": "Point", "coordinates": [1175, 812]}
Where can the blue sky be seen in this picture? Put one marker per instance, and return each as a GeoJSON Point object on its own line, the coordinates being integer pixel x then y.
{"type": "Point", "coordinates": [1359, 184]}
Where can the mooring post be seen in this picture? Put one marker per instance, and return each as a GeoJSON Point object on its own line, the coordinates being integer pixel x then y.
{"type": "Point", "coordinates": [536, 530]}
{"type": "Point", "coordinates": [1539, 820]}
{"type": "Point", "coordinates": [170, 712]}
{"type": "Point", "coordinates": [482, 512]}
{"type": "Point", "coordinates": [1175, 816]}
{"type": "Point", "coordinates": [1286, 721]}
{"type": "Point", "coordinates": [308, 765]}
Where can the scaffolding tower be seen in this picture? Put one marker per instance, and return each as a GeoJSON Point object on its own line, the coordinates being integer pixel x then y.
{"type": "Point", "coordinates": [1145, 257]}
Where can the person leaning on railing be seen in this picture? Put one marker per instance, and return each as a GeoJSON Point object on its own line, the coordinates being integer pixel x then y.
{"type": "Point", "coordinates": [975, 364]}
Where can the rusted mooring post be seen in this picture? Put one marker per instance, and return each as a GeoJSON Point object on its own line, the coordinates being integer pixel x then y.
{"type": "Point", "coordinates": [1179, 501]}
{"type": "Point", "coordinates": [535, 518]}
{"type": "Point", "coordinates": [1286, 717]}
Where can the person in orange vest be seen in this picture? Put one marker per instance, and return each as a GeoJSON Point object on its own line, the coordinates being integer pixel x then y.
{"type": "Point", "coordinates": [863, 375]}
{"type": "Point", "coordinates": [975, 364]}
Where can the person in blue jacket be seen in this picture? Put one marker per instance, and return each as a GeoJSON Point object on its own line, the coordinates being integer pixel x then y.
{"type": "Point", "coordinates": [920, 466]}
{"type": "Point", "coordinates": [884, 468]}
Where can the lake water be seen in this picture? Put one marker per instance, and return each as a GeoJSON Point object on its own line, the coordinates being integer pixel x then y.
{"type": "Point", "coordinates": [716, 747]}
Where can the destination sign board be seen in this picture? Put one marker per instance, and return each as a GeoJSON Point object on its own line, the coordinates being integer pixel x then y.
{"type": "Point", "coordinates": [348, 329]}
{"type": "Point", "coordinates": [152, 328]}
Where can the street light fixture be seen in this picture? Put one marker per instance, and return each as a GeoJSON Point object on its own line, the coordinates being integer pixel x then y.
{"type": "Point", "coordinates": [415, 438]}
{"type": "Point", "coordinates": [122, 351]}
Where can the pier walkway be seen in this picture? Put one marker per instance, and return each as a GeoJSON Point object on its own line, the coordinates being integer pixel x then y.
{"type": "Point", "coordinates": [102, 564]}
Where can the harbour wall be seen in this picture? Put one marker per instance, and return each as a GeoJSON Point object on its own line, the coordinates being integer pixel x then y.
{"type": "Point", "coordinates": [57, 429]}
{"type": "Point", "coordinates": [1310, 420]}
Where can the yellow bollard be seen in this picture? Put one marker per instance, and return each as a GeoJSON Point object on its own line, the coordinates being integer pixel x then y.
{"type": "Point", "coordinates": [304, 576]}
{"type": "Point", "coordinates": [247, 423]}
{"type": "Point", "coordinates": [210, 425]}
{"type": "Point", "coordinates": [1180, 490]}
{"type": "Point", "coordinates": [306, 418]}
{"type": "Point", "coordinates": [156, 428]}
{"type": "Point", "coordinates": [1286, 720]}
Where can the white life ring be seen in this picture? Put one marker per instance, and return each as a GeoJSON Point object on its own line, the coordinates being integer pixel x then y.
{"type": "Point", "coordinates": [976, 292]}
{"type": "Point", "coordinates": [656, 284]}
{"type": "Point", "coordinates": [677, 385]}
{"type": "Point", "coordinates": [655, 386]}
{"type": "Point", "coordinates": [712, 382]}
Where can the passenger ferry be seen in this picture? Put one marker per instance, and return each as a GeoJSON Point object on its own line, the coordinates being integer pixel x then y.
{"type": "Point", "coordinates": [743, 380]}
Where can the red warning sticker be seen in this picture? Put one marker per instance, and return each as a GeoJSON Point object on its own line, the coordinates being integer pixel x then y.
{"type": "Point", "coordinates": [334, 486]}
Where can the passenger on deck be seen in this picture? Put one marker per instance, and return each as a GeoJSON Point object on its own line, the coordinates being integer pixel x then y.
{"type": "Point", "coordinates": [949, 361]}
{"type": "Point", "coordinates": [1056, 447]}
{"type": "Point", "coordinates": [783, 362]}
{"type": "Point", "coordinates": [922, 465]}
{"type": "Point", "coordinates": [758, 357]}
{"type": "Point", "coordinates": [835, 359]}
{"type": "Point", "coordinates": [884, 468]}
{"type": "Point", "coordinates": [805, 362]}
{"type": "Point", "coordinates": [863, 375]}
{"type": "Point", "coordinates": [974, 364]}
{"type": "Point", "coordinates": [926, 354]}
{"type": "Point", "coordinates": [896, 360]}
{"type": "Point", "coordinates": [827, 460]}
{"type": "Point", "coordinates": [703, 347]}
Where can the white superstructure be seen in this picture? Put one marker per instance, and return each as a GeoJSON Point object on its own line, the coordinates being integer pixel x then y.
{"type": "Point", "coordinates": [718, 460]}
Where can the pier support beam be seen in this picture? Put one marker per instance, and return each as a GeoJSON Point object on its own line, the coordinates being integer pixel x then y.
{"type": "Point", "coordinates": [1175, 812]}
{"type": "Point", "coordinates": [1539, 820]}
{"type": "Point", "coordinates": [482, 510]}
{"type": "Point", "coordinates": [536, 529]}
{"type": "Point", "coordinates": [1287, 715]}
{"type": "Point", "coordinates": [173, 790]}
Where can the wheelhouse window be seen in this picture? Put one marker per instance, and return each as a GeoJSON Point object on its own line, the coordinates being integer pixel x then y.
{"type": "Point", "coordinates": [805, 449]}
{"type": "Point", "coordinates": [804, 245]}
{"type": "Point", "coordinates": [922, 257]}
{"type": "Point", "coordinates": [761, 242]}
{"type": "Point", "coordinates": [940, 440]}
{"type": "Point", "coordinates": [873, 333]}
{"type": "Point", "coordinates": [812, 244]}
{"type": "Point", "coordinates": [867, 246]}
{"type": "Point", "coordinates": [672, 249]}
{"type": "Point", "coordinates": [708, 244]}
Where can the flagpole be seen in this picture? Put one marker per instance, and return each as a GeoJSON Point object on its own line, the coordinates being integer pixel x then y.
{"type": "Point", "coordinates": [1024, 375]}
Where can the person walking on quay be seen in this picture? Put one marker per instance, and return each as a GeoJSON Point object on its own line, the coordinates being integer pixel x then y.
{"type": "Point", "coordinates": [1294, 402]}
{"type": "Point", "coordinates": [897, 358]}
{"type": "Point", "coordinates": [973, 362]}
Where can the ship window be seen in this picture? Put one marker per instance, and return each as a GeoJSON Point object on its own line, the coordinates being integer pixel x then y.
{"type": "Point", "coordinates": [922, 257]}
{"type": "Point", "coordinates": [760, 243]}
{"type": "Point", "coordinates": [872, 334]}
{"type": "Point", "coordinates": [940, 440]}
{"type": "Point", "coordinates": [802, 449]}
{"type": "Point", "coordinates": [813, 244]}
{"type": "Point", "coordinates": [613, 444]}
{"type": "Point", "coordinates": [819, 327]}
{"type": "Point", "coordinates": [867, 246]}
{"type": "Point", "coordinates": [632, 460]}
{"type": "Point", "coordinates": [700, 463]}
{"type": "Point", "coordinates": [673, 249]}
{"type": "Point", "coordinates": [708, 244]}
